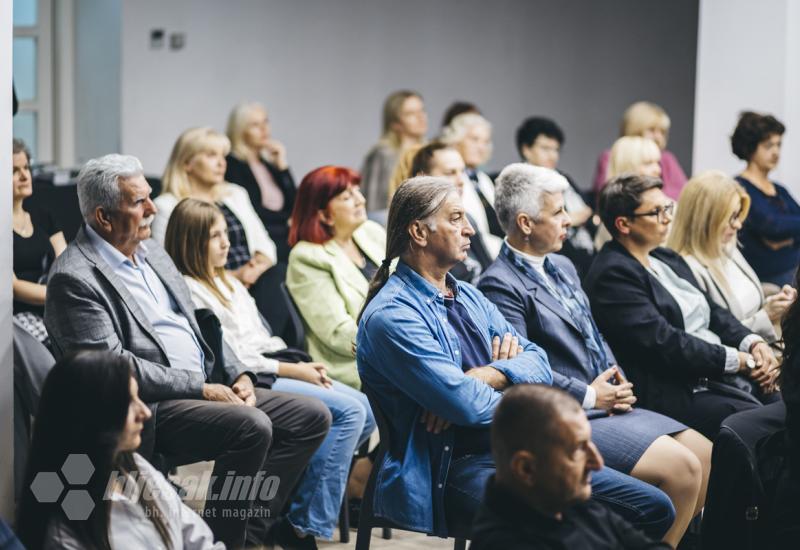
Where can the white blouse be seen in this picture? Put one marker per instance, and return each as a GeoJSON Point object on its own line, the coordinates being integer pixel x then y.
{"type": "Point", "coordinates": [242, 326]}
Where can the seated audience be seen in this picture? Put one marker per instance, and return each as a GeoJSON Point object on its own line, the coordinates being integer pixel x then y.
{"type": "Point", "coordinates": [713, 208]}
{"type": "Point", "coordinates": [336, 251]}
{"type": "Point", "coordinates": [647, 120]}
{"type": "Point", "coordinates": [630, 155]}
{"type": "Point", "coordinates": [196, 168]}
{"type": "Point", "coordinates": [458, 108]}
{"type": "Point", "coordinates": [37, 242]}
{"type": "Point", "coordinates": [539, 293]}
{"type": "Point", "coordinates": [402, 170]}
{"type": "Point", "coordinates": [405, 124]}
{"type": "Point", "coordinates": [540, 494]}
{"type": "Point", "coordinates": [90, 407]}
{"type": "Point", "coordinates": [770, 236]}
{"type": "Point", "coordinates": [436, 355]}
{"type": "Point", "coordinates": [197, 241]}
{"type": "Point", "coordinates": [539, 142]}
{"type": "Point", "coordinates": [689, 358]}
{"type": "Point", "coordinates": [116, 289]}
{"type": "Point", "coordinates": [471, 135]}
{"type": "Point", "coordinates": [258, 163]}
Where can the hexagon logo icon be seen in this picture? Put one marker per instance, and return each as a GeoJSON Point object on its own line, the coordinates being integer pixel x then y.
{"type": "Point", "coordinates": [77, 469]}
{"type": "Point", "coordinates": [78, 504]}
{"type": "Point", "coordinates": [47, 487]}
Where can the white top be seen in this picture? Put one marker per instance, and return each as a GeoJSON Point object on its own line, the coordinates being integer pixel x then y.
{"type": "Point", "coordinates": [235, 197]}
{"type": "Point", "coordinates": [131, 529]}
{"type": "Point", "coordinates": [747, 294]}
{"type": "Point", "coordinates": [242, 327]}
{"type": "Point", "coordinates": [474, 207]}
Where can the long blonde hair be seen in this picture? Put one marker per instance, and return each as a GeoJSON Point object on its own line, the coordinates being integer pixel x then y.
{"type": "Point", "coordinates": [190, 143]}
{"type": "Point", "coordinates": [186, 241]}
{"type": "Point", "coordinates": [705, 208]}
{"type": "Point", "coordinates": [237, 124]}
{"type": "Point", "coordinates": [630, 152]}
{"type": "Point", "coordinates": [392, 108]}
{"type": "Point", "coordinates": [402, 170]}
{"type": "Point", "coordinates": [641, 116]}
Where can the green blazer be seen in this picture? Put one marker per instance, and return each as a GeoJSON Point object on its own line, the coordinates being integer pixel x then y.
{"type": "Point", "coordinates": [329, 291]}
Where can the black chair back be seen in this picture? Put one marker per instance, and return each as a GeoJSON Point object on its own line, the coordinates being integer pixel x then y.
{"type": "Point", "coordinates": [294, 333]}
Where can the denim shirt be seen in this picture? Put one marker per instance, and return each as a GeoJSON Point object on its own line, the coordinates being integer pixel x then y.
{"type": "Point", "coordinates": [410, 359]}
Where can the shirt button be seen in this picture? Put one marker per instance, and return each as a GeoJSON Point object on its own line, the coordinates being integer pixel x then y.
{"type": "Point", "coordinates": [447, 447]}
{"type": "Point", "coordinates": [456, 352]}
{"type": "Point", "coordinates": [441, 295]}
{"type": "Point", "coordinates": [440, 486]}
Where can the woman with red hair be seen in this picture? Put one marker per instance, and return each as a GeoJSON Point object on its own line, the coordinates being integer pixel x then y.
{"type": "Point", "coordinates": [335, 252]}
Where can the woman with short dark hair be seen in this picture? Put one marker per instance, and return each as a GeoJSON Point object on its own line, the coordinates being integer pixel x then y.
{"type": "Point", "coordinates": [689, 358]}
{"type": "Point", "coordinates": [770, 236]}
{"type": "Point", "coordinates": [90, 409]}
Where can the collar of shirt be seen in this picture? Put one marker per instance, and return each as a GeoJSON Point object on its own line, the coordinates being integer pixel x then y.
{"type": "Point", "coordinates": [536, 262]}
{"type": "Point", "coordinates": [110, 254]}
{"type": "Point", "coordinates": [424, 287]}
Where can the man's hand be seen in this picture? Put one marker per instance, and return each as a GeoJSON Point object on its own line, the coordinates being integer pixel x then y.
{"type": "Point", "coordinates": [221, 393]}
{"type": "Point", "coordinates": [489, 376]}
{"type": "Point", "coordinates": [507, 348]}
{"type": "Point", "coordinates": [243, 388]}
{"type": "Point", "coordinates": [617, 398]}
{"type": "Point", "coordinates": [433, 423]}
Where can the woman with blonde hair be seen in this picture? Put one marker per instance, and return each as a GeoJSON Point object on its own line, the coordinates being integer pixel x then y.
{"type": "Point", "coordinates": [258, 163]}
{"type": "Point", "coordinates": [405, 124]}
{"type": "Point", "coordinates": [713, 208]}
{"type": "Point", "coordinates": [631, 155]}
{"type": "Point", "coordinates": [197, 241]}
{"type": "Point", "coordinates": [402, 170]}
{"type": "Point", "coordinates": [471, 135]}
{"type": "Point", "coordinates": [648, 120]}
{"type": "Point", "coordinates": [196, 169]}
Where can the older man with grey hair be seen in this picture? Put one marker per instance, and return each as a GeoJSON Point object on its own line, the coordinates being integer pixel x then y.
{"type": "Point", "coordinates": [114, 288]}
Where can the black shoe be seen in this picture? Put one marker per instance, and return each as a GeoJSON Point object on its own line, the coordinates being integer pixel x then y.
{"type": "Point", "coordinates": [283, 535]}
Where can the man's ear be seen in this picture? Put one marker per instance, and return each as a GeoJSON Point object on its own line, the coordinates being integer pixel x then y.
{"type": "Point", "coordinates": [102, 219]}
{"type": "Point", "coordinates": [524, 466]}
{"type": "Point", "coordinates": [418, 232]}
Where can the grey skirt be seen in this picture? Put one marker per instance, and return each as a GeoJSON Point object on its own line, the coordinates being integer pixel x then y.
{"type": "Point", "coordinates": [622, 439]}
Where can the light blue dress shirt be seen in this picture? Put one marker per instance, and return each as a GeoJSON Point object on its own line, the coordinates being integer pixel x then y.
{"type": "Point", "coordinates": [155, 301]}
{"type": "Point", "coordinates": [409, 358]}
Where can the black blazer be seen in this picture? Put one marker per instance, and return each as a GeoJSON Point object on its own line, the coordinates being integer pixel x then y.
{"type": "Point", "coordinates": [644, 326]}
{"type": "Point", "coordinates": [276, 222]}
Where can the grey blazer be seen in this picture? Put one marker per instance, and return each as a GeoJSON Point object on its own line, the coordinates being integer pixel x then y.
{"type": "Point", "coordinates": [89, 307]}
{"type": "Point", "coordinates": [537, 314]}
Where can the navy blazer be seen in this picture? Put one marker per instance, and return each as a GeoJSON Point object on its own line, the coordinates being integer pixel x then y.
{"type": "Point", "coordinates": [644, 325]}
{"type": "Point", "coordinates": [534, 311]}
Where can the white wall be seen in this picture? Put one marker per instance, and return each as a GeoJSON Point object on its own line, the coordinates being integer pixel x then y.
{"type": "Point", "coordinates": [323, 68]}
{"type": "Point", "coordinates": [6, 355]}
{"type": "Point", "coordinates": [748, 58]}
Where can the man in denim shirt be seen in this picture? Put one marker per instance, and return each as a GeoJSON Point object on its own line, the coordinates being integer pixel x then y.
{"type": "Point", "coordinates": [436, 354]}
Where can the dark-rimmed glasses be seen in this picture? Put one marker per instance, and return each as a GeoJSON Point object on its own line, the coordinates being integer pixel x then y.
{"type": "Point", "coordinates": [662, 213]}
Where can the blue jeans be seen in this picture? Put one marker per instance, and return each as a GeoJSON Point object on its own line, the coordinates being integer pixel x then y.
{"type": "Point", "coordinates": [315, 505]}
{"type": "Point", "coordinates": [645, 506]}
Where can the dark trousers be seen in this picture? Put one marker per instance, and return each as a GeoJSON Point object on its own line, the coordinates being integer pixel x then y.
{"type": "Point", "coordinates": [269, 445]}
{"type": "Point", "coordinates": [709, 409]}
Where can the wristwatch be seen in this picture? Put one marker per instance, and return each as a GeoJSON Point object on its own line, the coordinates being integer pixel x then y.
{"type": "Point", "coordinates": [750, 362]}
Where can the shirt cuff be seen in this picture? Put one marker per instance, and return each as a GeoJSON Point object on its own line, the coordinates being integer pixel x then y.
{"type": "Point", "coordinates": [590, 399]}
{"type": "Point", "coordinates": [731, 360]}
{"type": "Point", "coordinates": [748, 341]}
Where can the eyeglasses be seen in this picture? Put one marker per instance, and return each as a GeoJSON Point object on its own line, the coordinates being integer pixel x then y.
{"type": "Point", "coordinates": [663, 213]}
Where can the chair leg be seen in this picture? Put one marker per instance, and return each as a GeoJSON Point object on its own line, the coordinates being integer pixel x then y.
{"type": "Point", "coordinates": [344, 521]}
{"type": "Point", "coordinates": [460, 544]}
{"type": "Point", "coordinates": [387, 533]}
{"type": "Point", "coordinates": [364, 535]}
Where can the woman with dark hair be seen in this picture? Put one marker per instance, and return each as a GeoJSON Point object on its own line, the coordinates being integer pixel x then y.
{"type": "Point", "coordinates": [336, 252]}
{"type": "Point", "coordinates": [688, 357]}
{"type": "Point", "coordinates": [405, 124]}
{"type": "Point", "coordinates": [90, 409]}
{"type": "Point", "coordinates": [37, 242]}
{"type": "Point", "coordinates": [258, 163]}
{"type": "Point", "coordinates": [770, 236]}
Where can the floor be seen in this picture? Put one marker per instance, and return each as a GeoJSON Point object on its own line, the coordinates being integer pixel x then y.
{"type": "Point", "coordinates": [401, 540]}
